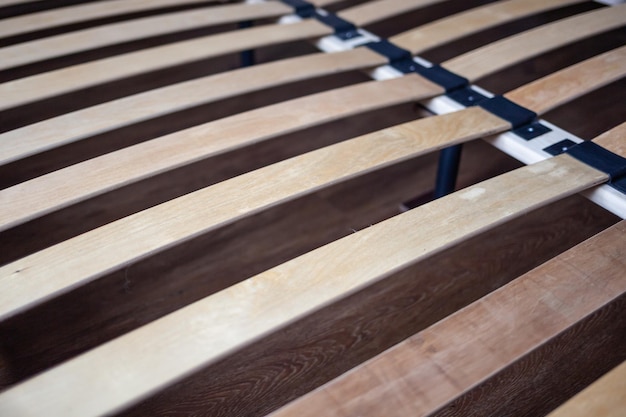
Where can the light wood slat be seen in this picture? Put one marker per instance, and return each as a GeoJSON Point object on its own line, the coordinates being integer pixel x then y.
{"type": "Point", "coordinates": [604, 398]}
{"type": "Point", "coordinates": [4, 3]}
{"type": "Point", "coordinates": [434, 34]}
{"type": "Point", "coordinates": [424, 373]}
{"type": "Point", "coordinates": [209, 329]}
{"type": "Point", "coordinates": [101, 36]}
{"type": "Point", "coordinates": [68, 128]}
{"type": "Point", "coordinates": [87, 39]}
{"type": "Point", "coordinates": [26, 281]}
{"type": "Point", "coordinates": [112, 170]}
{"type": "Point", "coordinates": [36, 87]}
{"type": "Point", "coordinates": [566, 85]}
{"type": "Point", "coordinates": [105, 117]}
{"type": "Point", "coordinates": [536, 41]}
{"type": "Point", "coordinates": [374, 11]}
{"type": "Point", "coordinates": [83, 12]}
{"type": "Point", "coordinates": [76, 183]}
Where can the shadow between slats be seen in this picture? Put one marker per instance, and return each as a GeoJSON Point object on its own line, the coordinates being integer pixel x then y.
{"type": "Point", "coordinates": [320, 347]}
{"type": "Point", "coordinates": [43, 163]}
{"type": "Point", "coordinates": [79, 218]}
{"type": "Point", "coordinates": [42, 33]}
{"type": "Point", "coordinates": [353, 330]}
{"type": "Point", "coordinates": [550, 375]}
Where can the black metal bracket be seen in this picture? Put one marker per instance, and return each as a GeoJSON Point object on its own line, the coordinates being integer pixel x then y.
{"type": "Point", "coordinates": [342, 28]}
{"type": "Point", "coordinates": [402, 60]}
{"type": "Point", "coordinates": [600, 158]}
{"type": "Point", "coordinates": [301, 8]}
{"type": "Point", "coordinates": [511, 112]}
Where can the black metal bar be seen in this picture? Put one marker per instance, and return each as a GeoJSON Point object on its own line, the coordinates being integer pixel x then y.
{"type": "Point", "coordinates": [247, 58]}
{"type": "Point", "coordinates": [448, 170]}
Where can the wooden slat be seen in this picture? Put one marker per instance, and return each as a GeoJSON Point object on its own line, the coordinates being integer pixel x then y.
{"type": "Point", "coordinates": [83, 12]}
{"type": "Point", "coordinates": [215, 326]}
{"type": "Point", "coordinates": [375, 11]}
{"type": "Point", "coordinates": [434, 34]}
{"type": "Point", "coordinates": [500, 55]}
{"type": "Point", "coordinates": [130, 164]}
{"type": "Point", "coordinates": [560, 87]}
{"type": "Point", "coordinates": [115, 33]}
{"type": "Point", "coordinates": [81, 181]}
{"type": "Point", "coordinates": [26, 281]}
{"type": "Point", "coordinates": [4, 3]}
{"type": "Point", "coordinates": [101, 36]}
{"type": "Point", "coordinates": [105, 117]}
{"type": "Point", "coordinates": [604, 398]}
{"type": "Point", "coordinates": [37, 87]}
{"type": "Point", "coordinates": [68, 128]}
{"type": "Point", "coordinates": [448, 360]}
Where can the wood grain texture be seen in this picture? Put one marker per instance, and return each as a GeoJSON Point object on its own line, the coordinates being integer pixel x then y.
{"type": "Point", "coordinates": [378, 10]}
{"type": "Point", "coordinates": [543, 95]}
{"type": "Point", "coordinates": [421, 375]}
{"type": "Point", "coordinates": [445, 30]}
{"type": "Point", "coordinates": [46, 336]}
{"type": "Point", "coordinates": [36, 87]}
{"type": "Point", "coordinates": [489, 59]}
{"type": "Point", "coordinates": [605, 398]}
{"type": "Point", "coordinates": [81, 181]}
{"type": "Point", "coordinates": [25, 281]}
{"type": "Point", "coordinates": [83, 12]}
{"type": "Point", "coordinates": [257, 380]}
{"type": "Point", "coordinates": [68, 128]}
{"type": "Point", "coordinates": [110, 171]}
{"type": "Point", "coordinates": [106, 35]}
{"type": "Point", "coordinates": [206, 331]}
{"type": "Point", "coordinates": [406, 88]}
{"type": "Point", "coordinates": [77, 125]}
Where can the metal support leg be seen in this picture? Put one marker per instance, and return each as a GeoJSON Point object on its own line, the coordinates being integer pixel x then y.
{"type": "Point", "coordinates": [449, 160]}
{"type": "Point", "coordinates": [247, 57]}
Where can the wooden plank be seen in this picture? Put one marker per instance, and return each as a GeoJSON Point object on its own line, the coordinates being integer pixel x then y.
{"type": "Point", "coordinates": [37, 87]}
{"type": "Point", "coordinates": [105, 117]}
{"type": "Point", "coordinates": [4, 3]}
{"type": "Point", "coordinates": [83, 12]}
{"type": "Point", "coordinates": [130, 164]}
{"type": "Point", "coordinates": [604, 398]}
{"type": "Point", "coordinates": [26, 282]}
{"type": "Point", "coordinates": [375, 11]}
{"type": "Point", "coordinates": [535, 41]}
{"type": "Point", "coordinates": [436, 33]}
{"type": "Point", "coordinates": [216, 326]}
{"type": "Point", "coordinates": [68, 128]}
{"type": "Point", "coordinates": [115, 33]}
{"type": "Point", "coordinates": [423, 374]}
{"type": "Point", "coordinates": [133, 30]}
{"type": "Point", "coordinates": [76, 183]}
{"type": "Point", "coordinates": [542, 97]}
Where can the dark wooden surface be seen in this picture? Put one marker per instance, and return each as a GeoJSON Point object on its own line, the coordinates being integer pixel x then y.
{"type": "Point", "coordinates": [310, 352]}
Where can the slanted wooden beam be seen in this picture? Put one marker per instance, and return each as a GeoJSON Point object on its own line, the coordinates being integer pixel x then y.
{"type": "Point", "coordinates": [517, 331]}
{"type": "Point", "coordinates": [68, 128]}
{"type": "Point", "coordinates": [216, 326]}
{"type": "Point", "coordinates": [133, 30]}
{"type": "Point", "coordinates": [25, 281]}
{"type": "Point", "coordinates": [84, 12]}
{"type": "Point", "coordinates": [76, 183]}
{"type": "Point", "coordinates": [36, 87]}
